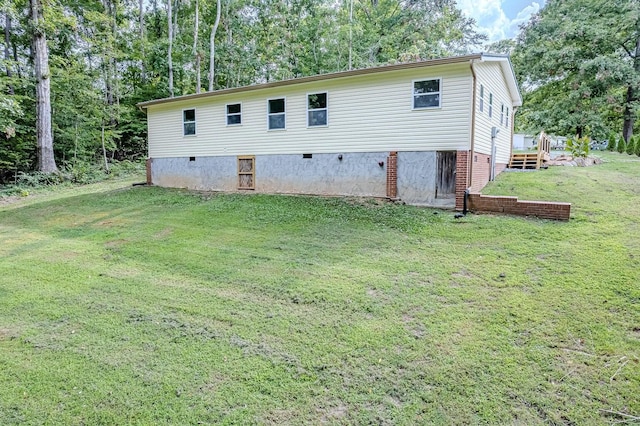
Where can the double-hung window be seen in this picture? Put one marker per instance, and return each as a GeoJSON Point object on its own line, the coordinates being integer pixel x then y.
{"type": "Point", "coordinates": [317, 111]}
{"type": "Point", "coordinates": [426, 93]}
{"type": "Point", "coordinates": [189, 122]}
{"type": "Point", "coordinates": [502, 115]}
{"type": "Point", "coordinates": [481, 98]}
{"type": "Point", "coordinates": [234, 114]}
{"type": "Point", "coordinates": [276, 113]}
{"type": "Point", "coordinates": [507, 121]}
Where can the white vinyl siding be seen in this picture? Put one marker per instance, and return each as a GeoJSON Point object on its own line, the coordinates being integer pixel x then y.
{"type": "Point", "coordinates": [489, 75]}
{"type": "Point", "coordinates": [490, 105]}
{"type": "Point", "coordinates": [390, 126]}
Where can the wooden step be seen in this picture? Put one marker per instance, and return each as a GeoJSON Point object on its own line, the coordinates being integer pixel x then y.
{"type": "Point", "coordinates": [524, 161]}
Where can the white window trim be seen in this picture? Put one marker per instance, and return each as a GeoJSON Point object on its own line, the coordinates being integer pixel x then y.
{"type": "Point", "coordinates": [226, 114]}
{"type": "Point", "coordinates": [285, 113]}
{"type": "Point", "coordinates": [507, 122]}
{"type": "Point", "coordinates": [502, 115]}
{"type": "Point", "coordinates": [316, 109]}
{"type": "Point", "coordinates": [481, 98]}
{"type": "Point", "coordinates": [195, 122]}
{"type": "Point", "coordinates": [439, 92]}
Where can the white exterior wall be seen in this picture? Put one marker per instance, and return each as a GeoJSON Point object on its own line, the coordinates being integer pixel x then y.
{"type": "Point", "coordinates": [490, 75]}
{"type": "Point", "coordinates": [367, 113]}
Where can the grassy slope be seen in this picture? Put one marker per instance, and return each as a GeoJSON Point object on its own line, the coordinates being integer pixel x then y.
{"type": "Point", "coordinates": [148, 305]}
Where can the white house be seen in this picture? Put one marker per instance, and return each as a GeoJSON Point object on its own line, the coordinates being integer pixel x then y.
{"type": "Point", "coordinates": [522, 141]}
{"type": "Point", "coordinates": [422, 132]}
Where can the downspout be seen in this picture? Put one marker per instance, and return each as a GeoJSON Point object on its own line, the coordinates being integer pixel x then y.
{"type": "Point", "coordinates": [465, 204]}
{"type": "Point", "coordinates": [514, 109]}
{"type": "Point", "coordinates": [473, 127]}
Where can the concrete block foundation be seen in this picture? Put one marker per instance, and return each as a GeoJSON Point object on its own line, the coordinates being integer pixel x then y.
{"type": "Point", "coordinates": [348, 174]}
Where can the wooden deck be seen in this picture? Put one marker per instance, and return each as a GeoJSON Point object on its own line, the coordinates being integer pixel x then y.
{"type": "Point", "coordinates": [533, 160]}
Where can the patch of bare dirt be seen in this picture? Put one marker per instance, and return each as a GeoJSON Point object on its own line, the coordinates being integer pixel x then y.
{"type": "Point", "coordinates": [5, 201]}
{"type": "Point", "coordinates": [7, 334]}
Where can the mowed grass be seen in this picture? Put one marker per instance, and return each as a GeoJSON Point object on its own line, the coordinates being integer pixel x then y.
{"type": "Point", "coordinates": [158, 306]}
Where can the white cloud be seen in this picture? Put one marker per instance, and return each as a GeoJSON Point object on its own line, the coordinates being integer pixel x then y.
{"type": "Point", "coordinates": [493, 21]}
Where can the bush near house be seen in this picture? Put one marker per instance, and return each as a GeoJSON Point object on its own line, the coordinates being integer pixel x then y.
{"type": "Point", "coordinates": [622, 145]}
{"type": "Point", "coordinates": [579, 147]}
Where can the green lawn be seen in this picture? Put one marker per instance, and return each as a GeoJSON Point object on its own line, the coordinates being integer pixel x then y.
{"type": "Point", "coordinates": [154, 306]}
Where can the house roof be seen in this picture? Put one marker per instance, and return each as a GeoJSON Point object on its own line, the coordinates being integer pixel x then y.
{"type": "Point", "coordinates": [504, 61]}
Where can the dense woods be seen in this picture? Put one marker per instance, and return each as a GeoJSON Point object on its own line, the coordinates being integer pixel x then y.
{"type": "Point", "coordinates": [72, 71]}
{"type": "Point", "coordinates": [104, 56]}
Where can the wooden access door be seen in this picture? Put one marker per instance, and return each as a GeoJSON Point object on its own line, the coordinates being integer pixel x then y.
{"type": "Point", "coordinates": [446, 174]}
{"type": "Point", "coordinates": [246, 172]}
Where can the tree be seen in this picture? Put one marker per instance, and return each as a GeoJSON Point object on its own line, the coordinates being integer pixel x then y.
{"type": "Point", "coordinates": [631, 146]}
{"type": "Point", "coordinates": [611, 143]}
{"type": "Point", "coordinates": [46, 160]}
{"type": "Point", "coordinates": [170, 48]}
{"type": "Point", "coordinates": [622, 146]}
{"type": "Point", "coordinates": [579, 64]}
{"type": "Point", "coordinates": [212, 47]}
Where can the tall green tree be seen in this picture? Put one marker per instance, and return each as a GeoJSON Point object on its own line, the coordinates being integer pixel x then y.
{"type": "Point", "coordinates": [579, 64]}
{"type": "Point", "coordinates": [40, 52]}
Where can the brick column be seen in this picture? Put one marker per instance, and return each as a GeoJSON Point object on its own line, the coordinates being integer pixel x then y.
{"type": "Point", "coordinates": [149, 161]}
{"type": "Point", "coordinates": [392, 175]}
{"type": "Point", "coordinates": [462, 171]}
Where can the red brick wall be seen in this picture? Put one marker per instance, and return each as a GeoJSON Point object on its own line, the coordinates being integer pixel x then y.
{"type": "Point", "coordinates": [511, 205]}
{"type": "Point", "coordinates": [462, 174]}
{"type": "Point", "coordinates": [480, 170]}
{"type": "Point", "coordinates": [392, 175]}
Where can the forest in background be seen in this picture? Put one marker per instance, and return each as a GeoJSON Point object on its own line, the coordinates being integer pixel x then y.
{"type": "Point", "coordinates": [577, 61]}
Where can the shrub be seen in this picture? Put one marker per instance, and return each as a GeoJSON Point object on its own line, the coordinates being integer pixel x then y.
{"type": "Point", "coordinates": [611, 145]}
{"type": "Point", "coordinates": [83, 172]}
{"type": "Point", "coordinates": [638, 145]}
{"type": "Point", "coordinates": [622, 146]}
{"type": "Point", "coordinates": [631, 146]}
{"type": "Point", "coordinates": [38, 179]}
{"type": "Point", "coordinates": [578, 147]}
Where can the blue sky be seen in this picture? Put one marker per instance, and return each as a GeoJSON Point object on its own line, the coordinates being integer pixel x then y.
{"type": "Point", "coordinates": [500, 19]}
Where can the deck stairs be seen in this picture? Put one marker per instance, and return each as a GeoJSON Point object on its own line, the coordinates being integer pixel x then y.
{"type": "Point", "coordinates": [533, 160]}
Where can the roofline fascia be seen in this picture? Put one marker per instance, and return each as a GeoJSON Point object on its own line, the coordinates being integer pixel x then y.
{"type": "Point", "coordinates": [507, 67]}
{"type": "Point", "coordinates": [340, 74]}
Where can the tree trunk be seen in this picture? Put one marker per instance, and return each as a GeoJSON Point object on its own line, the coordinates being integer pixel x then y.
{"type": "Point", "coordinates": [104, 151]}
{"type": "Point", "coordinates": [195, 49]}
{"type": "Point", "coordinates": [627, 125]}
{"type": "Point", "coordinates": [631, 98]}
{"type": "Point", "coordinates": [350, 34]}
{"type": "Point", "coordinates": [7, 48]}
{"type": "Point", "coordinates": [170, 50]}
{"type": "Point", "coordinates": [212, 47]}
{"type": "Point", "coordinates": [46, 160]}
{"type": "Point", "coordinates": [143, 76]}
